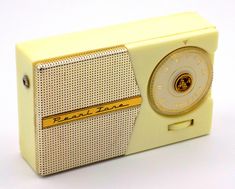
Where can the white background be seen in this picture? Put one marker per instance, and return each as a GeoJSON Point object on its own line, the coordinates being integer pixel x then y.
{"type": "Point", "coordinates": [205, 162]}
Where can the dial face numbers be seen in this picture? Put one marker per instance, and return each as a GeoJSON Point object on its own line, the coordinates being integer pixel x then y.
{"type": "Point", "coordinates": [180, 81]}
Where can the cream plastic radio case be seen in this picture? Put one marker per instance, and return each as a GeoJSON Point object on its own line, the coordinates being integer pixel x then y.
{"type": "Point", "coordinates": [94, 95]}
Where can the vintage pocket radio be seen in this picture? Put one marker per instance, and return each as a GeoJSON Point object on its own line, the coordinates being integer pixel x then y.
{"type": "Point", "coordinates": [94, 95]}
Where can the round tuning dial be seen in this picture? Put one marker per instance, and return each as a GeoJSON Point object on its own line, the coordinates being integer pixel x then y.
{"type": "Point", "coordinates": [180, 81]}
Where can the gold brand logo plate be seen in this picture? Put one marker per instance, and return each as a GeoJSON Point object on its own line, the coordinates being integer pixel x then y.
{"type": "Point", "coordinates": [90, 111]}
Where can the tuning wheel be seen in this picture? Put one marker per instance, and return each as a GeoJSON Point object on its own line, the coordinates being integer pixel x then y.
{"type": "Point", "coordinates": [180, 81]}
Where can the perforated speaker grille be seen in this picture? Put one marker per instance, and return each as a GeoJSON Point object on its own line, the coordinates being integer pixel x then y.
{"type": "Point", "coordinates": [80, 81]}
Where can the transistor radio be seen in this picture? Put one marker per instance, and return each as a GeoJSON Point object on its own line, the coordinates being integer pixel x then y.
{"type": "Point", "coordinates": [94, 95]}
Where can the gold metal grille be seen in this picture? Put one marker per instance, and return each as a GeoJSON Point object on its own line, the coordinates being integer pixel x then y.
{"type": "Point", "coordinates": [78, 82]}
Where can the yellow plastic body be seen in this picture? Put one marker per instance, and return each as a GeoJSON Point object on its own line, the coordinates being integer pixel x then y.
{"type": "Point", "coordinates": [147, 41]}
